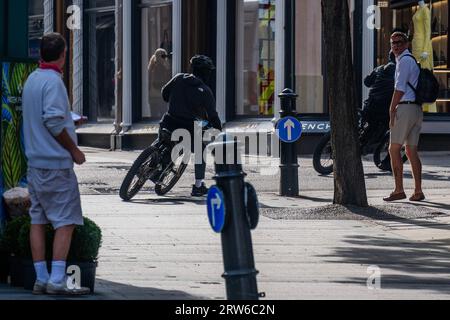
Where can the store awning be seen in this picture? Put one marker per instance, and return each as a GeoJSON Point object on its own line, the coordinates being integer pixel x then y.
{"type": "Point", "coordinates": [399, 4]}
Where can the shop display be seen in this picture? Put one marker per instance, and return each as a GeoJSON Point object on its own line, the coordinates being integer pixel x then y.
{"type": "Point", "coordinates": [439, 35]}
{"type": "Point", "coordinates": [422, 46]}
{"type": "Point", "coordinates": [421, 20]}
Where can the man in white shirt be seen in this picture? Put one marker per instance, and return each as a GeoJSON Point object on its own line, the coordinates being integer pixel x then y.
{"type": "Point", "coordinates": [51, 149]}
{"type": "Point", "coordinates": [406, 118]}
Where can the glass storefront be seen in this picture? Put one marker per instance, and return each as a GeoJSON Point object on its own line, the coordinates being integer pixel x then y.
{"type": "Point", "coordinates": [259, 58]}
{"type": "Point", "coordinates": [35, 27]}
{"type": "Point", "coordinates": [156, 24]}
{"type": "Point", "coordinates": [308, 57]}
{"type": "Point", "coordinates": [101, 50]}
{"type": "Point", "coordinates": [404, 17]}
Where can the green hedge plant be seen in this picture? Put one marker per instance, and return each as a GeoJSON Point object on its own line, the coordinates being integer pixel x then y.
{"type": "Point", "coordinates": [85, 246]}
{"type": "Point", "coordinates": [10, 236]}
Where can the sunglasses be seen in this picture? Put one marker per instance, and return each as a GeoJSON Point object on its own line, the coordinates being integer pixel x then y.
{"type": "Point", "coordinates": [397, 43]}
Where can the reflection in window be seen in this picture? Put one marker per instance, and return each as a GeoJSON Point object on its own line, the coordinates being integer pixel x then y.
{"type": "Point", "coordinates": [156, 55]}
{"type": "Point", "coordinates": [259, 57]}
{"type": "Point", "coordinates": [35, 27]}
{"type": "Point", "coordinates": [101, 34]}
{"type": "Point", "coordinates": [402, 19]}
{"type": "Point", "coordinates": [308, 57]}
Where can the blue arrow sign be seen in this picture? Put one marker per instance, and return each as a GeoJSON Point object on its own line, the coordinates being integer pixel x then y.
{"type": "Point", "coordinates": [216, 209]}
{"type": "Point", "coordinates": [289, 129]}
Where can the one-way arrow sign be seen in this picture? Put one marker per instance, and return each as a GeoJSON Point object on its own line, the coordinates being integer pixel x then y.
{"type": "Point", "coordinates": [216, 209]}
{"type": "Point", "coordinates": [289, 126]}
{"type": "Point", "coordinates": [216, 204]}
{"type": "Point", "coordinates": [289, 129]}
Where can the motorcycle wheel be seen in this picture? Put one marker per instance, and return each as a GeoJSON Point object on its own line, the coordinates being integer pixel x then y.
{"type": "Point", "coordinates": [323, 156]}
{"type": "Point", "coordinates": [381, 156]}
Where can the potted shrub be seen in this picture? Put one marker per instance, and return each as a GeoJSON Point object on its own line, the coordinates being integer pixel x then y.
{"type": "Point", "coordinates": [15, 241]}
{"type": "Point", "coordinates": [10, 245]}
{"type": "Point", "coordinates": [4, 259]}
{"type": "Point", "coordinates": [85, 246]}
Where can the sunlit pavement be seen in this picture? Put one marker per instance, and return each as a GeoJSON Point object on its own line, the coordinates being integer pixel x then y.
{"type": "Point", "coordinates": [163, 248]}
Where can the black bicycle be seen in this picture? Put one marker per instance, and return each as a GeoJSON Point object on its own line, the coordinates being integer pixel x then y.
{"type": "Point", "coordinates": [373, 138]}
{"type": "Point", "coordinates": [160, 164]}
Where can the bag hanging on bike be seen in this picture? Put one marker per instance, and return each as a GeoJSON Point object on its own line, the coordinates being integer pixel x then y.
{"type": "Point", "coordinates": [427, 90]}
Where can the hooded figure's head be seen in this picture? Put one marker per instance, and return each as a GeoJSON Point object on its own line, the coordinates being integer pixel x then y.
{"type": "Point", "coordinates": [392, 58]}
{"type": "Point", "coordinates": [202, 67]}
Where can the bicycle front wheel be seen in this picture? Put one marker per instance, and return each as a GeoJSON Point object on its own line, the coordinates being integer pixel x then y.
{"type": "Point", "coordinates": [139, 174]}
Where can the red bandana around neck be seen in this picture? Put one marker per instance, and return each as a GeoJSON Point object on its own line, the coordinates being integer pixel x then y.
{"type": "Point", "coordinates": [49, 66]}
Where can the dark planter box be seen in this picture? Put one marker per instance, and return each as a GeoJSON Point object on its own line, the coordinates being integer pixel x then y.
{"type": "Point", "coordinates": [88, 273]}
{"type": "Point", "coordinates": [16, 271]}
{"type": "Point", "coordinates": [4, 267]}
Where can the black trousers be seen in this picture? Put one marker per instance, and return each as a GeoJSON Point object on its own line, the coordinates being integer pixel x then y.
{"type": "Point", "coordinates": [172, 124]}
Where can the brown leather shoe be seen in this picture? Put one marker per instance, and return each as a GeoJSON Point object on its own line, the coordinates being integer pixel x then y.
{"type": "Point", "coordinates": [417, 197]}
{"type": "Point", "coordinates": [395, 197]}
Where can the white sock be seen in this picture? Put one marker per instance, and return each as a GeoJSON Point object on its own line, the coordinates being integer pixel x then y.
{"type": "Point", "coordinates": [198, 183]}
{"type": "Point", "coordinates": [41, 272]}
{"type": "Point", "coordinates": [58, 272]}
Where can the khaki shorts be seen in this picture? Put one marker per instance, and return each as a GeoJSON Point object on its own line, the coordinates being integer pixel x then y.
{"type": "Point", "coordinates": [55, 198]}
{"type": "Point", "coordinates": [408, 125]}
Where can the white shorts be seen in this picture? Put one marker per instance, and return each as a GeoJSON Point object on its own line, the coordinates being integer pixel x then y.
{"type": "Point", "coordinates": [55, 197]}
{"type": "Point", "coordinates": [408, 125]}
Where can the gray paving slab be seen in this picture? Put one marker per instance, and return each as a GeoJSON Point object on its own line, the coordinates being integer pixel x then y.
{"type": "Point", "coordinates": [163, 248]}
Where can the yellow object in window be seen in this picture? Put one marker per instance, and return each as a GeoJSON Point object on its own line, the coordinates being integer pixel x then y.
{"type": "Point", "coordinates": [422, 45]}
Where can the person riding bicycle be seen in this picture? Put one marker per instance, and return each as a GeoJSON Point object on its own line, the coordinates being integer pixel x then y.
{"type": "Point", "coordinates": [190, 100]}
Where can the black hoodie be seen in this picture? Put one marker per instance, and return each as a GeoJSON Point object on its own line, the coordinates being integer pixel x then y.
{"type": "Point", "coordinates": [190, 99]}
{"type": "Point", "coordinates": [381, 83]}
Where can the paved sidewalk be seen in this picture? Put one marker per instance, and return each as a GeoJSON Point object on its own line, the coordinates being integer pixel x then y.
{"type": "Point", "coordinates": [163, 248]}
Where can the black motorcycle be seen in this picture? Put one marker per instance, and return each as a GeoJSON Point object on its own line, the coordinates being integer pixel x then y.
{"type": "Point", "coordinates": [374, 138]}
{"type": "Point", "coordinates": [156, 164]}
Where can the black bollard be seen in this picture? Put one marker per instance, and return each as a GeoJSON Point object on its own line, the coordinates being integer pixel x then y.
{"type": "Point", "coordinates": [289, 186]}
{"type": "Point", "coordinates": [241, 206]}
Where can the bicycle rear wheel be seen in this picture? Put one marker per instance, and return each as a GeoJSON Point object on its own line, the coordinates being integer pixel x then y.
{"type": "Point", "coordinates": [141, 171]}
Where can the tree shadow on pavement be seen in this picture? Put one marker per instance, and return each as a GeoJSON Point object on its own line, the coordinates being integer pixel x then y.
{"type": "Point", "coordinates": [404, 264]}
{"type": "Point", "coordinates": [430, 204]}
{"type": "Point", "coordinates": [315, 199]}
{"type": "Point", "coordinates": [382, 215]}
{"type": "Point", "coordinates": [429, 176]}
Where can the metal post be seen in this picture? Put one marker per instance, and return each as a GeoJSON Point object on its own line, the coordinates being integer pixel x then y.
{"type": "Point", "coordinates": [241, 215]}
{"type": "Point", "coordinates": [289, 157]}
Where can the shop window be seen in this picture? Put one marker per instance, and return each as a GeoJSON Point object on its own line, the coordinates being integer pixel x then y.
{"type": "Point", "coordinates": [156, 54]}
{"type": "Point", "coordinates": [439, 34]}
{"type": "Point", "coordinates": [101, 61]}
{"type": "Point", "coordinates": [35, 27]}
{"type": "Point", "coordinates": [402, 18]}
{"type": "Point", "coordinates": [308, 57]}
{"type": "Point", "coordinates": [259, 58]}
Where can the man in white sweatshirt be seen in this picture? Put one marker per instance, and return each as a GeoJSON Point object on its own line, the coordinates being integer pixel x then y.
{"type": "Point", "coordinates": [51, 149]}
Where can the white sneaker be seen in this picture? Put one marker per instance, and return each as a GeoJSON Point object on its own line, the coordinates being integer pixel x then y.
{"type": "Point", "coordinates": [62, 289]}
{"type": "Point", "coordinates": [40, 288]}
